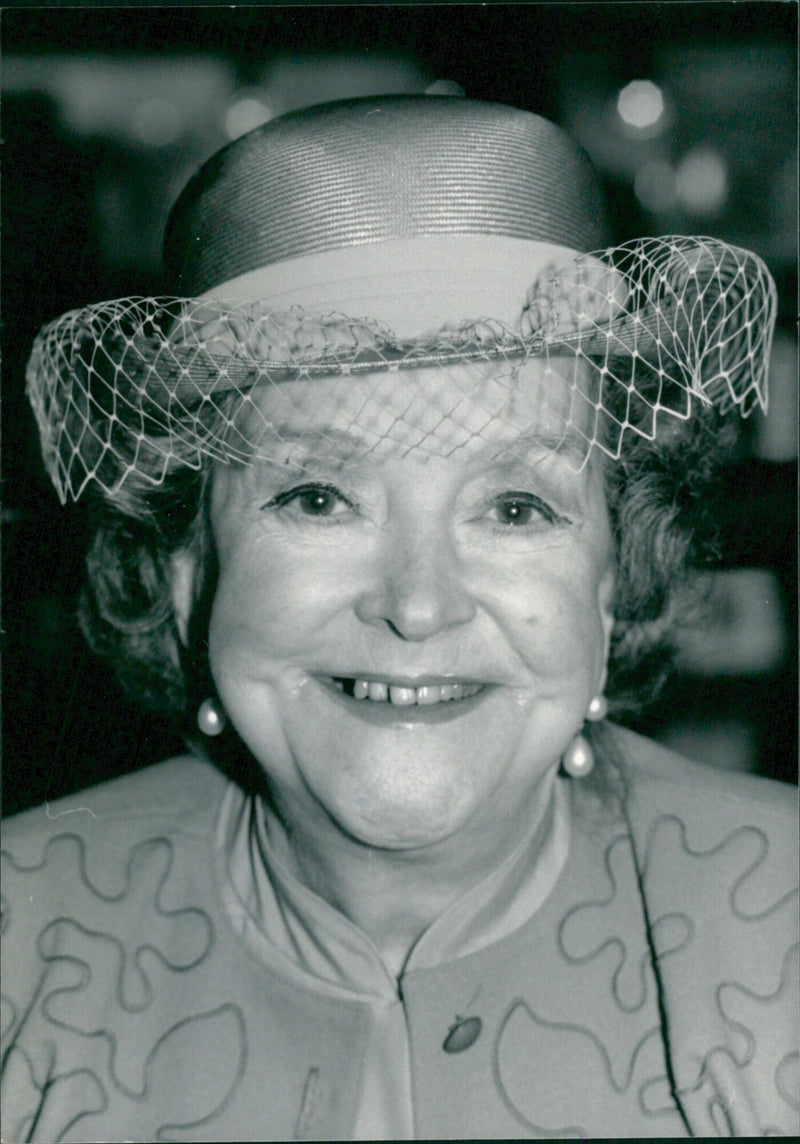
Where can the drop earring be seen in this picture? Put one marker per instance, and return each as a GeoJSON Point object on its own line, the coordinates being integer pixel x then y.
{"type": "Point", "coordinates": [578, 759]}
{"type": "Point", "coordinates": [211, 718]}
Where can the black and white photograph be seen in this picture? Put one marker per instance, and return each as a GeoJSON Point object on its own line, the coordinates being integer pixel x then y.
{"type": "Point", "coordinates": [399, 582]}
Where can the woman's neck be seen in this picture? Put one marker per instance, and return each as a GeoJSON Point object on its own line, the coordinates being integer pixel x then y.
{"type": "Point", "coordinates": [394, 895]}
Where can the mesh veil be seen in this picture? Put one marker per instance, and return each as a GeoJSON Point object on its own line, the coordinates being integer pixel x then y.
{"type": "Point", "coordinates": [642, 331]}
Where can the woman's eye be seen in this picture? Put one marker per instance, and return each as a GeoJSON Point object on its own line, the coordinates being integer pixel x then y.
{"type": "Point", "coordinates": [313, 500]}
{"type": "Point", "coordinates": [518, 509]}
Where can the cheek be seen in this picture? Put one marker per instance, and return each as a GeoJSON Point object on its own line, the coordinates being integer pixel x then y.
{"type": "Point", "coordinates": [553, 615]}
{"type": "Point", "coordinates": [267, 611]}
{"type": "Point", "coordinates": [271, 600]}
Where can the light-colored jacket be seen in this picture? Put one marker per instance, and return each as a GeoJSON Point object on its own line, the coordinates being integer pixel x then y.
{"type": "Point", "coordinates": [654, 993]}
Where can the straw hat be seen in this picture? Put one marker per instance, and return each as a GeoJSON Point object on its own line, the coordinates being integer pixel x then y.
{"type": "Point", "coordinates": [387, 236]}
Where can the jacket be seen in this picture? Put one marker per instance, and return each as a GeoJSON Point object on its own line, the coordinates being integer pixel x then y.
{"type": "Point", "coordinates": [654, 993]}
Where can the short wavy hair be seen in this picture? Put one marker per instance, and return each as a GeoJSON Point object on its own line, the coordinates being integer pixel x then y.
{"type": "Point", "coordinates": [660, 495]}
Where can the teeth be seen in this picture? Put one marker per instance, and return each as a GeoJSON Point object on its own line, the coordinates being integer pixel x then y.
{"type": "Point", "coordinates": [408, 696]}
{"type": "Point", "coordinates": [427, 695]}
{"type": "Point", "coordinates": [403, 696]}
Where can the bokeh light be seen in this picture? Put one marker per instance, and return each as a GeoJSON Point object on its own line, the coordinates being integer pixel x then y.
{"type": "Point", "coordinates": [247, 113]}
{"type": "Point", "coordinates": [702, 181]}
{"type": "Point", "coordinates": [640, 104]}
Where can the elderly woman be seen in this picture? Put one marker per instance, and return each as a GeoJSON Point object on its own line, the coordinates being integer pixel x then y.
{"type": "Point", "coordinates": [393, 500]}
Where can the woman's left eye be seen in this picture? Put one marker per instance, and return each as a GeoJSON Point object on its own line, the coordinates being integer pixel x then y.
{"type": "Point", "coordinates": [518, 509]}
{"type": "Point", "coordinates": [313, 500]}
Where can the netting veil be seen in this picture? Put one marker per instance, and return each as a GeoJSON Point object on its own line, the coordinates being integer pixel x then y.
{"type": "Point", "coordinates": [641, 332]}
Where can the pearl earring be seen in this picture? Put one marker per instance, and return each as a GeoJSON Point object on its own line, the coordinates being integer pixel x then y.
{"type": "Point", "coordinates": [211, 718]}
{"type": "Point", "coordinates": [598, 709]}
{"type": "Point", "coordinates": [578, 759]}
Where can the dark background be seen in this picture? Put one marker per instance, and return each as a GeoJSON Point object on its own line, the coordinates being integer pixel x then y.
{"type": "Point", "coordinates": [107, 112]}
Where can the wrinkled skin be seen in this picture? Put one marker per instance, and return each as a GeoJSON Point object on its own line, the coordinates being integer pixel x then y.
{"type": "Point", "coordinates": [490, 565]}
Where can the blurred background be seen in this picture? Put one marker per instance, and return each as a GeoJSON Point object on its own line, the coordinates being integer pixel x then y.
{"type": "Point", "coordinates": [688, 111]}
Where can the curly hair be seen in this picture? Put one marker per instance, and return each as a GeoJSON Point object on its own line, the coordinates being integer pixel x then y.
{"type": "Point", "coordinates": [659, 495]}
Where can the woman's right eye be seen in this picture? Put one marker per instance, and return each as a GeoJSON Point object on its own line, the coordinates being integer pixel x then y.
{"type": "Point", "coordinates": [313, 500]}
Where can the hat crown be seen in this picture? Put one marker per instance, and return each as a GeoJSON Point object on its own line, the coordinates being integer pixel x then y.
{"type": "Point", "coordinates": [372, 170]}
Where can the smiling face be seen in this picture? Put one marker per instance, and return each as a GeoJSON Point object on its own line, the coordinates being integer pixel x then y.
{"type": "Point", "coordinates": [407, 641]}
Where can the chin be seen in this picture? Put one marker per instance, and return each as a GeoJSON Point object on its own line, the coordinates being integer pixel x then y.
{"type": "Point", "coordinates": [401, 813]}
{"type": "Point", "coordinates": [397, 831]}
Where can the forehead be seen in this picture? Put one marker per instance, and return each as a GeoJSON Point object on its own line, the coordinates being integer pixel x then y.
{"type": "Point", "coordinates": [470, 409]}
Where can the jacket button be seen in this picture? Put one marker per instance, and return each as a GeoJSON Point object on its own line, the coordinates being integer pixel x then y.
{"type": "Point", "coordinates": [463, 1033]}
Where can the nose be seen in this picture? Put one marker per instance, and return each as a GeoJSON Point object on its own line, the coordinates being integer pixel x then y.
{"type": "Point", "coordinates": [419, 588]}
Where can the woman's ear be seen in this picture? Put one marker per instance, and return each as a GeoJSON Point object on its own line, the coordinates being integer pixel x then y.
{"type": "Point", "coordinates": [183, 570]}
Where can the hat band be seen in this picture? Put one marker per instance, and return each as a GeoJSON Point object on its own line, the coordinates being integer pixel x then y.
{"type": "Point", "coordinates": [413, 285]}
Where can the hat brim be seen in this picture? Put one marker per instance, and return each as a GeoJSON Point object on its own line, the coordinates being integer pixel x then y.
{"type": "Point", "coordinates": [660, 322]}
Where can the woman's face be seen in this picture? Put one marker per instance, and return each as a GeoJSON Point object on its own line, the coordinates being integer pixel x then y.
{"type": "Point", "coordinates": [407, 640]}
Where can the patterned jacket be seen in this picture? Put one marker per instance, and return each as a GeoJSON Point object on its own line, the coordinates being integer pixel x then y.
{"type": "Point", "coordinates": [654, 993]}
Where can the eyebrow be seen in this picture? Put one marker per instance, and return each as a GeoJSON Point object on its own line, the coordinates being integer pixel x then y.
{"type": "Point", "coordinates": [569, 443]}
{"type": "Point", "coordinates": [332, 447]}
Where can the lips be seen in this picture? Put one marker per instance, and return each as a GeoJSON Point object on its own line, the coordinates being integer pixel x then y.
{"type": "Point", "coordinates": [403, 695]}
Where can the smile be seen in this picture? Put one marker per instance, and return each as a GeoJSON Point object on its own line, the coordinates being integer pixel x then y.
{"type": "Point", "coordinates": [378, 691]}
{"type": "Point", "coordinates": [389, 703]}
